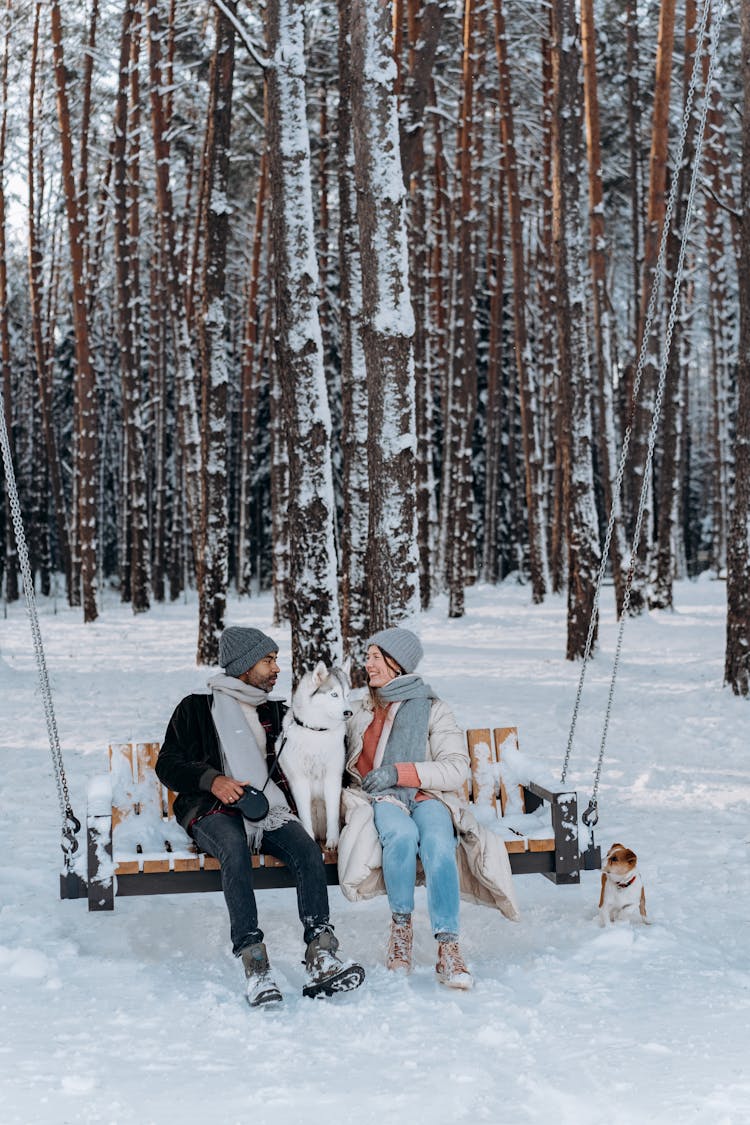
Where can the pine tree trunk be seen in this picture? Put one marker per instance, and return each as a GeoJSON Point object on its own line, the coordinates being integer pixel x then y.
{"type": "Point", "coordinates": [41, 350]}
{"type": "Point", "coordinates": [526, 377]}
{"type": "Point", "coordinates": [213, 558]}
{"type": "Point", "coordinates": [86, 462]}
{"type": "Point", "coordinates": [600, 305]}
{"type": "Point", "coordinates": [126, 230]}
{"type": "Point", "coordinates": [388, 321]}
{"type": "Point", "coordinates": [456, 500]}
{"type": "Point", "coordinates": [250, 379]}
{"type": "Point", "coordinates": [8, 549]}
{"type": "Point", "coordinates": [492, 545]}
{"type": "Point", "coordinates": [313, 595]}
{"type": "Point", "coordinates": [658, 163]}
{"type": "Point", "coordinates": [424, 23]}
{"type": "Point", "coordinates": [737, 656]}
{"type": "Point", "coordinates": [187, 410]}
{"type": "Point", "coordinates": [354, 609]}
{"type": "Point", "coordinates": [581, 528]}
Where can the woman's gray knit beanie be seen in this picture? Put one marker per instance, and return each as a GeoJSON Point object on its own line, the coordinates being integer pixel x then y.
{"type": "Point", "coordinates": [403, 645]}
{"type": "Point", "coordinates": [240, 647]}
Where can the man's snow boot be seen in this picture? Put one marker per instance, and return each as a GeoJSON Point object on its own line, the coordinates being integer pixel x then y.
{"type": "Point", "coordinates": [400, 942]}
{"type": "Point", "coordinates": [261, 987]}
{"type": "Point", "coordinates": [327, 974]}
{"type": "Point", "coordinates": [451, 968]}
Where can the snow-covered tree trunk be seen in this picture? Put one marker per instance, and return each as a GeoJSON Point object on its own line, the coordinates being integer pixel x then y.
{"type": "Point", "coordinates": [601, 305]}
{"type": "Point", "coordinates": [388, 324]}
{"type": "Point", "coordinates": [125, 171]}
{"type": "Point", "coordinates": [212, 564]}
{"type": "Point", "coordinates": [737, 657]}
{"type": "Point", "coordinates": [567, 159]}
{"type": "Point", "coordinates": [40, 334]}
{"type": "Point", "coordinates": [354, 609]}
{"type": "Point", "coordinates": [722, 322]}
{"type": "Point", "coordinates": [658, 164]}
{"type": "Point", "coordinates": [187, 409]}
{"type": "Point", "coordinates": [86, 445]}
{"type": "Point", "coordinates": [668, 475]}
{"type": "Point", "coordinates": [250, 380]}
{"type": "Point", "coordinates": [8, 548]}
{"type": "Point", "coordinates": [524, 365]}
{"type": "Point", "coordinates": [458, 530]}
{"type": "Point", "coordinates": [425, 22]}
{"type": "Point", "coordinates": [313, 595]}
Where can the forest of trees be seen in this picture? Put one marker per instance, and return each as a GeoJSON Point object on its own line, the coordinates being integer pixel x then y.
{"type": "Point", "coordinates": [360, 301]}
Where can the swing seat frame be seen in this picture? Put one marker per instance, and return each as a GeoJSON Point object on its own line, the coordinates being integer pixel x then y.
{"type": "Point", "coordinates": [134, 846]}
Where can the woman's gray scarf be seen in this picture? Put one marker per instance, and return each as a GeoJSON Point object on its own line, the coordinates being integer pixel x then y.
{"type": "Point", "coordinates": [242, 755]}
{"type": "Point", "coordinates": [407, 741]}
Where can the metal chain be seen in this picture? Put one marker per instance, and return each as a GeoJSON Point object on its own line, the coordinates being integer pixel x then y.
{"type": "Point", "coordinates": [590, 816]}
{"type": "Point", "coordinates": [70, 823]}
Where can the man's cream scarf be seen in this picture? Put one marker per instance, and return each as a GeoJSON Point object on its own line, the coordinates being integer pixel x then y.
{"type": "Point", "coordinates": [242, 743]}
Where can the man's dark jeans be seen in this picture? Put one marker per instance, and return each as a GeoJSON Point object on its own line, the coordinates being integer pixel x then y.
{"type": "Point", "coordinates": [224, 837]}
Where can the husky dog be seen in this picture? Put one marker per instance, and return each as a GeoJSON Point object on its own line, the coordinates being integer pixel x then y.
{"type": "Point", "coordinates": [313, 752]}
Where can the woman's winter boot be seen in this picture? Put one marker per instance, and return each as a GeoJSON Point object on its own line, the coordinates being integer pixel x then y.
{"type": "Point", "coordinates": [261, 987]}
{"type": "Point", "coordinates": [400, 942]}
{"type": "Point", "coordinates": [451, 968]}
{"type": "Point", "coordinates": [327, 974]}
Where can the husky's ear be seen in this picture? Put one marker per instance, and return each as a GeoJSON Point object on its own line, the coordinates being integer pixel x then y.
{"type": "Point", "coordinates": [346, 668]}
{"type": "Point", "coordinates": [319, 675]}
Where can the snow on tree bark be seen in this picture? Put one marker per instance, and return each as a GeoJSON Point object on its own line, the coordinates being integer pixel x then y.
{"type": "Point", "coordinates": [354, 615]}
{"type": "Point", "coordinates": [313, 595]}
{"type": "Point", "coordinates": [388, 320]}
{"type": "Point", "coordinates": [737, 657]}
{"type": "Point", "coordinates": [212, 563]}
{"type": "Point", "coordinates": [86, 445]}
{"type": "Point", "coordinates": [567, 152]}
{"type": "Point", "coordinates": [125, 192]}
{"type": "Point", "coordinates": [524, 364]}
{"type": "Point", "coordinates": [187, 410]}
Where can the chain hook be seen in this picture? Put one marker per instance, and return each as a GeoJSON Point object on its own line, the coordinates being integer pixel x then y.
{"type": "Point", "coordinates": [71, 828]}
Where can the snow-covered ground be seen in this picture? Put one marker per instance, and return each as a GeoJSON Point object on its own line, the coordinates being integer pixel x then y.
{"type": "Point", "coordinates": [138, 1016]}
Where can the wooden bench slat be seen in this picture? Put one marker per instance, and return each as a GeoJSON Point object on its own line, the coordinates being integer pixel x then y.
{"type": "Point", "coordinates": [150, 865]}
{"type": "Point", "coordinates": [193, 864]}
{"type": "Point", "coordinates": [482, 758]}
{"type": "Point", "coordinates": [127, 867]}
{"type": "Point", "coordinates": [502, 737]}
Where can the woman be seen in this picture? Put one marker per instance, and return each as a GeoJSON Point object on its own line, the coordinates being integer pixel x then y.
{"type": "Point", "coordinates": [407, 766]}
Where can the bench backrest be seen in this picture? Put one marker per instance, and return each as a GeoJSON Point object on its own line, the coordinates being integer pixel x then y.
{"type": "Point", "coordinates": [136, 789]}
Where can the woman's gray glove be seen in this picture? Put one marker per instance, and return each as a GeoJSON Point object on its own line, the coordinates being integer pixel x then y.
{"type": "Point", "coordinates": [384, 777]}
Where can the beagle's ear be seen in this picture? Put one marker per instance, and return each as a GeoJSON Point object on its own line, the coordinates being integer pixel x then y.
{"type": "Point", "coordinates": [320, 675]}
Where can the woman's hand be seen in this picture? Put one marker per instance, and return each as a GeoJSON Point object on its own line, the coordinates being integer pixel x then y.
{"type": "Point", "coordinates": [384, 777]}
{"type": "Point", "coordinates": [226, 789]}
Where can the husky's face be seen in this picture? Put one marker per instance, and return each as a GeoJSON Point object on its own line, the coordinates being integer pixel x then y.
{"type": "Point", "coordinates": [324, 696]}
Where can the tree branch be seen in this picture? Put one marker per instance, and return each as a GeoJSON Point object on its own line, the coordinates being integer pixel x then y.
{"type": "Point", "coordinates": [263, 63]}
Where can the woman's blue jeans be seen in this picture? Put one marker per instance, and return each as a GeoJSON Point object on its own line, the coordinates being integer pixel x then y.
{"type": "Point", "coordinates": [223, 836]}
{"type": "Point", "coordinates": [426, 831]}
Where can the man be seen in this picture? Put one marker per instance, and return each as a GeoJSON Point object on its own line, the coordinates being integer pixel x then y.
{"type": "Point", "coordinates": [215, 745]}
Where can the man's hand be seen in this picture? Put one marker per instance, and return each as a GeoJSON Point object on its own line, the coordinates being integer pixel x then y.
{"type": "Point", "coordinates": [384, 777]}
{"type": "Point", "coordinates": [226, 789]}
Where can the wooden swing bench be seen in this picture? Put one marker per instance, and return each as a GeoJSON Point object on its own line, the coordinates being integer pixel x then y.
{"type": "Point", "coordinates": [135, 846]}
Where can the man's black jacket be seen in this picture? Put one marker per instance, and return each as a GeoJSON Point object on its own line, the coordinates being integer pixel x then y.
{"type": "Point", "coordinates": [190, 759]}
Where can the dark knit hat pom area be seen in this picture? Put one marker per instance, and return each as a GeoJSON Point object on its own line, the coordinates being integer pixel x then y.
{"type": "Point", "coordinates": [240, 647]}
{"type": "Point", "coordinates": [400, 644]}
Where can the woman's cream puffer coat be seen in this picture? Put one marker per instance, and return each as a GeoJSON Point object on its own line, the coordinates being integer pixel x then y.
{"type": "Point", "coordinates": [483, 864]}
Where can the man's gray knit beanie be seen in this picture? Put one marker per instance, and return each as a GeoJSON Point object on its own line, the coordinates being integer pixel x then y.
{"type": "Point", "coordinates": [403, 645]}
{"type": "Point", "coordinates": [241, 647]}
